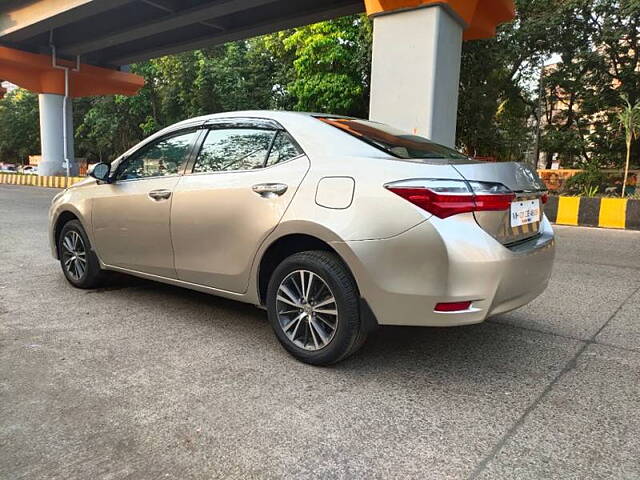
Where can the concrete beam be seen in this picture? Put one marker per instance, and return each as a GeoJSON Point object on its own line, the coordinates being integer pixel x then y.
{"type": "Point", "coordinates": [39, 16]}
{"type": "Point", "coordinates": [304, 18]}
{"type": "Point", "coordinates": [36, 73]}
{"type": "Point", "coordinates": [172, 22]}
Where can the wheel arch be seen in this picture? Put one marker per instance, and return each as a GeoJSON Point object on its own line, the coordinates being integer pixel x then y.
{"type": "Point", "coordinates": [64, 217]}
{"type": "Point", "coordinates": [282, 248]}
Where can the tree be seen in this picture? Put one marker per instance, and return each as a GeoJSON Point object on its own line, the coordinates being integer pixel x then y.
{"type": "Point", "coordinates": [497, 98]}
{"type": "Point", "coordinates": [19, 126]}
{"type": "Point", "coordinates": [599, 44]}
{"type": "Point", "coordinates": [332, 66]}
{"type": "Point", "coordinates": [629, 119]}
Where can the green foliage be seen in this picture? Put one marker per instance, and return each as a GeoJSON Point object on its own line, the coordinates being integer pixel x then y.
{"type": "Point", "coordinates": [586, 183]}
{"type": "Point", "coordinates": [629, 120]}
{"type": "Point", "coordinates": [19, 126]}
{"type": "Point", "coordinates": [330, 75]}
{"type": "Point", "coordinates": [599, 43]}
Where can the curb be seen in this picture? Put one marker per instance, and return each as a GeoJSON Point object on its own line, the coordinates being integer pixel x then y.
{"type": "Point", "coordinates": [620, 213]}
{"type": "Point", "coordinates": [37, 181]}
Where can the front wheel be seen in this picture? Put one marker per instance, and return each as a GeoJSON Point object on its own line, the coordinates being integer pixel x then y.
{"type": "Point", "coordinates": [79, 264]}
{"type": "Point", "coordinates": [313, 307]}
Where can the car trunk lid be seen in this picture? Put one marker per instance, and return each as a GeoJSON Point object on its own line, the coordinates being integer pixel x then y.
{"type": "Point", "coordinates": [529, 189]}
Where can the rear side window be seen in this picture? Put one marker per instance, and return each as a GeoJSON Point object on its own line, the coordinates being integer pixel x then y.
{"type": "Point", "coordinates": [284, 148]}
{"type": "Point", "coordinates": [234, 149]}
{"type": "Point", "coordinates": [393, 141]}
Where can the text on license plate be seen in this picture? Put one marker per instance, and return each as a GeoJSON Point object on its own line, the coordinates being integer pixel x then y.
{"type": "Point", "coordinates": [525, 212]}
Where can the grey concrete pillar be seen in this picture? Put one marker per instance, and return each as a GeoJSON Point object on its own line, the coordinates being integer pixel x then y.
{"type": "Point", "coordinates": [52, 136]}
{"type": "Point", "coordinates": [416, 71]}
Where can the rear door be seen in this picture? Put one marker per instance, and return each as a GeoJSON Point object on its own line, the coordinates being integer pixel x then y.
{"type": "Point", "coordinates": [241, 183]}
{"type": "Point", "coordinates": [520, 222]}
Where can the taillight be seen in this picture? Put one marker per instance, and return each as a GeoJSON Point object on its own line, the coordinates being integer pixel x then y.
{"type": "Point", "coordinates": [445, 198]}
{"type": "Point", "coordinates": [544, 198]}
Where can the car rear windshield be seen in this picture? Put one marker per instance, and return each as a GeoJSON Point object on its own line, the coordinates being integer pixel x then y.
{"type": "Point", "coordinates": [393, 141]}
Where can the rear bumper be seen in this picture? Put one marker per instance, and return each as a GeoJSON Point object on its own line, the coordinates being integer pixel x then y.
{"type": "Point", "coordinates": [452, 260]}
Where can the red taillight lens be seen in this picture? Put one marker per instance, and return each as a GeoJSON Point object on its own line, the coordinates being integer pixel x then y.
{"type": "Point", "coordinates": [442, 206]}
{"type": "Point", "coordinates": [453, 307]}
{"type": "Point", "coordinates": [445, 198]}
{"type": "Point", "coordinates": [494, 202]}
{"type": "Point", "coordinates": [544, 198]}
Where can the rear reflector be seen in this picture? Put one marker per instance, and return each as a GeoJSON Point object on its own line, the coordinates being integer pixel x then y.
{"type": "Point", "coordinates": [453, 307]}
{"type": "Point", "coordinates": [445, 198]}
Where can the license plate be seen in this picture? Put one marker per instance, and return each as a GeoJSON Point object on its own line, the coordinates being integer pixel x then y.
{"type": "Point", "coordinates": [525, 212]}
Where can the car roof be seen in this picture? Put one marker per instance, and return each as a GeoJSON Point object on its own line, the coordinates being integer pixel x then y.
{"type": "Point", "coordinates": [277, 115]}
{"type": "Point", "coordinates": [312, 134]}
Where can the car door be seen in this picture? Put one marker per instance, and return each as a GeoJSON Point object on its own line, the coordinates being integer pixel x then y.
{"type": "Point", "coordinates": [242, 181]}
{"type": "Point", "coordinates": [131, 215]}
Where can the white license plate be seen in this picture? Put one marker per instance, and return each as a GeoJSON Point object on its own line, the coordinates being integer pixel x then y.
{"type": "Point", "coordinates": [525, 212]}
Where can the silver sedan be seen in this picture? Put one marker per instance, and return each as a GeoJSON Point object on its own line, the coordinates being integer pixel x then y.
{"type": "Point", "coordinates": [335, 225]}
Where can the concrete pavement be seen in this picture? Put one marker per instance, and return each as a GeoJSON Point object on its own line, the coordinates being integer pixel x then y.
{"type": "Point", "coordinates": [141, 380]}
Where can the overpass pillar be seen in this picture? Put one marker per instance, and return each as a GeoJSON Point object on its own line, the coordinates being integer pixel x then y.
{"type": "Point", "coordinates": [416, 72]}
{"type": "Point", "coordinates": [37, 73]}
{"type": "Point", "coordinates": [417, 50]}
{"type": "Point", "coordinates": [52, 135]}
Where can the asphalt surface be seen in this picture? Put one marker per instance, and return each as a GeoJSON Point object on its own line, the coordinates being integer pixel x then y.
{"type": "Point", "coordinates": [145, 381]}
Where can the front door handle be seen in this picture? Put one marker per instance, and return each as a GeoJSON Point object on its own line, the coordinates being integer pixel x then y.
{"type": "Point", "coordinates": [268, 190]}
{"type": "Point", "coordinates": [159, 194]}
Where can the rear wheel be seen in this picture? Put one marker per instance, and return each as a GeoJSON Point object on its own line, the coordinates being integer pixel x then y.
{"type": "Point", "coordinates": [313, 306]}
{"type": "Point", "coordinates": [79, 264]}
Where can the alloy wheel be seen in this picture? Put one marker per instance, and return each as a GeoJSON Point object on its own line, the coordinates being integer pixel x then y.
{"type": "Point", "coordinates": [307, 310]}
{"type": "Point", "coordinates": [74, 255]}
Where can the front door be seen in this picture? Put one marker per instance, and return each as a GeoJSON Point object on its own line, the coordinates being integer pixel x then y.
{"type": "Point", "coordinates": [242, 182]}
{"type": "Point", "coordinates": [131, 215]}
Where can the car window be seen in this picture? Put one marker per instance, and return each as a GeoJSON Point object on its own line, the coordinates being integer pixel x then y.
{"type": "Point", "coordinates": [234, 149]}
{"type": "Point", "coordinates": [393, 141]}
{"type": "Point", "coordinates": [161, 158]}
{"type": "Point", "coordinates": [284, 148]}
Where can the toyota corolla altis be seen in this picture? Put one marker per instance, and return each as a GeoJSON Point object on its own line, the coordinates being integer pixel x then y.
{"type": "Point", "coordinates": [333, 224]}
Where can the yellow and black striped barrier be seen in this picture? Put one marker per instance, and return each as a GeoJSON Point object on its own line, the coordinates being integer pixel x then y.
{"type": "Point", "coordinates": [37, 181]}
{"type": "Point", "coordinates": [620, 213]}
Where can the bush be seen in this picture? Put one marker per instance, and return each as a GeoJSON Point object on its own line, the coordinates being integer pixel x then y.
{"type": "Point", "coordinates": [587, 183]}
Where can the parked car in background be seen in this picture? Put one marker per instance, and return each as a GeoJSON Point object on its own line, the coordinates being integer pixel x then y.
{"type": "Point", "coordinates": [8, 168]}
{"type": "Point", "coordinates": [332, 224]}
{"type": "Point", "coordinates": [30, 170]}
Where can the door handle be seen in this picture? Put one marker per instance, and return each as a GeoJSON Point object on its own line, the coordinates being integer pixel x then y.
{"type": "Point", "coordinates": [159, 194]}
{"type": "Point", "coordinates": [268, 190]}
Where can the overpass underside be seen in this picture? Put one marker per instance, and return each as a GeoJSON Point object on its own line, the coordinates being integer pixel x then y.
{"type": "Point", "coordinates": [120, 32]}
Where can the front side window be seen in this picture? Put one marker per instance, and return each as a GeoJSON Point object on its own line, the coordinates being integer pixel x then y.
{"type": "Point", "coordinates": [161, 158]}
{"type": "Point", "coordinates": [284, 148]}
{"type": "Point", "coordinates": [234, 149]}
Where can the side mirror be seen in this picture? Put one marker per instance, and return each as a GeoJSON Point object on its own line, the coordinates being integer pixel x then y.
{"type": "Point", "coordinates": [101, 172]}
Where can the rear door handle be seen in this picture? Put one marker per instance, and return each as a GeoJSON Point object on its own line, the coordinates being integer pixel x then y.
{"type": "Point", "coordinates": [270, 189]}
{"type": "Point", "coordinates": [159, 194]}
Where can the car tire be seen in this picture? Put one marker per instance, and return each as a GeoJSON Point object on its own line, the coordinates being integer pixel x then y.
{"type": "Point", "coordinates": [317, 336]}
{"type": "Point", "coordinates": [79, 263]}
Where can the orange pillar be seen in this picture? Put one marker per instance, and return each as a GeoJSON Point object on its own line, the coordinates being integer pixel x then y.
{"type": "Point", "coordinates": [480, 17]}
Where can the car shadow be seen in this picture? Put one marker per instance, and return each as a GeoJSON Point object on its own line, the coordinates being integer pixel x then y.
{"type": "Point", "coordinates": [473, 353]}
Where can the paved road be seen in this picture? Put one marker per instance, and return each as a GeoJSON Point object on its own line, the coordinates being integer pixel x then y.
{"type": "Point", "coordinates": [142, 380]}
